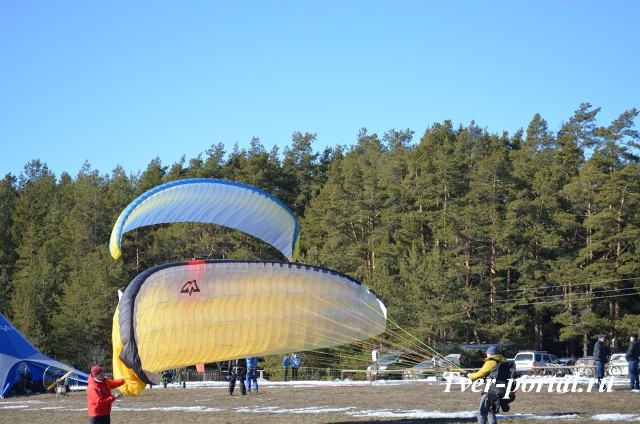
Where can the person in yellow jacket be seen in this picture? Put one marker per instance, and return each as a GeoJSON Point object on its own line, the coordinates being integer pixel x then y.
{"type": "Point", "coordinates": [487, 411]}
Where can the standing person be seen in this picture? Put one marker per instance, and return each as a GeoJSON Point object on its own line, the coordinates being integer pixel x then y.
{"type": "Point", "coordinates": [632, 357]}
{"type": "Point", "coordinates": [489, 402]}
{"type": "Point", "coordinates": [26, 382]}
{"type": "Point", "coordinates": [295, 364]}
{"type": "Point", "coordinates": [252, 373]}
{"type": "Point", "coordinates": [600, 356]}
{"type": "Point", "coordinates": [99, 397]}
{"type": "Point", "coordinates": [286, 363]}
{"type": "Point", "coordinates": [237, 371]}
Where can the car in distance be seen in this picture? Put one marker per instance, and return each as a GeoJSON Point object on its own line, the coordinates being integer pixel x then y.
{"type": "Point", "coordinates": [423, 370]}
{"type": "Point", "coordinates": [536, 362]}
{"type": "Point", "coordinates": [569, 362]}
{"type": "Point", "coordinates": [390, 366]}
{"type": "Point", "coordinates": [617, 365]}
{"type": "Point", "coordinates": [585, 367]}
{"type": "Point", "coordinates": [619, 359]}
{"type": "Point", "coordinates": [432, 367]}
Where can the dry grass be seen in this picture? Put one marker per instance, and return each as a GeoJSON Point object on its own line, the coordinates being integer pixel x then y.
{"type": "Point", "coordinates": [214, 405]}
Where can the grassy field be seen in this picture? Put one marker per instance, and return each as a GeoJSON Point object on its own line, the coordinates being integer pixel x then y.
{"type": "Point", "coordinates": [406, 402]}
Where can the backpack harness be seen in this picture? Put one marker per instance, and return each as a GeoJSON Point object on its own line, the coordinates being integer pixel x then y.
{"type": "Point", "coordinates": [499, 377]}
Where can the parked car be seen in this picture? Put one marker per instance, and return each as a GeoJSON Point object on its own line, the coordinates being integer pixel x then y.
{"type": "Point", "coordinates": [423, 370]}
{"type": "Point", "coordinates": [452, 358]}
{"type": "Point", "coordinates": [431, 367]}
{"type": "Point", "coordinates": [536, 362]}
{"type": "Point", "coordinates": [617, 365]}
{"type": "Point", "coordinates": [618, 359]}
{"type": "Point", "coordinates": [585, 367]}
{"type": "Point", "coordinates": [567, 361]}
{"type": "Point", "coordinates": [390, 366]}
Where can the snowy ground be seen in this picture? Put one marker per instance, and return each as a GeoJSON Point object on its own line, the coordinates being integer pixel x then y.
{"type": "Point", "coordinates": [582, 383]}
{"type": "Point", "coordinates": [388, 412]}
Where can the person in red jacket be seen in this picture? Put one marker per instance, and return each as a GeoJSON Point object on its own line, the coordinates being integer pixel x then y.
{"type": "Point", "coordinates": [99, 397]}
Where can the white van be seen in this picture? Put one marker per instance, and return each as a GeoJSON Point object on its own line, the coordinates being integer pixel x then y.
{"type": "Point", "coordinates": [527, 362]}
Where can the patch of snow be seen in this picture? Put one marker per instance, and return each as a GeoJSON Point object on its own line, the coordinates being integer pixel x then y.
{"type": "Point", "coordinates": [616, 417]}
{"type": "Point", "coordinates": [170, 408]}
{"type": "Point", "coordinates": [309, 410]}
{"type": "Point", "coordinates": [14, 406]}
{"type": "Point", "coordinates": [544, 416]}
{"type": "Point", "coordinates": [413, 414]}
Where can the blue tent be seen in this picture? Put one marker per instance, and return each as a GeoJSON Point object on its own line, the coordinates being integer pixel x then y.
{"type": "Point", "coordinates": [23, 368]}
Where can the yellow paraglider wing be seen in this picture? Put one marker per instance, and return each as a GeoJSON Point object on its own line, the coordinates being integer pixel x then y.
{"type": "Point", "coordinates": [182, 314]}
{"type": "Point", "coordinates": [133, 385]}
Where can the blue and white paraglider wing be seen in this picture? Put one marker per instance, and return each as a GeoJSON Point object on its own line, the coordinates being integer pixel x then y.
{"type": "Point", "coordinates": [207, 200]}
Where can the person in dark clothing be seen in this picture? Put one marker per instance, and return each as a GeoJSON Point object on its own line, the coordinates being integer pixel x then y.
{"type": "Point", "coordinates": [632, 358]}
{"type": "Point", "coordinates": [26, 378]}
{"type": "Point", "coordinates": [252, 373]}
{"type": "Point", "coordinates": [237, 371]}
{"type": "Point", "coordinates": [600, 356]}
{"type": "Point", "coordinates": [286, 363]}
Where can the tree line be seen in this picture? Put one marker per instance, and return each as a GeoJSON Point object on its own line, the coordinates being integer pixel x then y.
{"type": "Point", "coordinates": [468, 236]}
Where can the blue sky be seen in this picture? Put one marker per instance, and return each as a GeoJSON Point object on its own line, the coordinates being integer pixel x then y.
{"type": "Point", "coordinates": [115, 82]}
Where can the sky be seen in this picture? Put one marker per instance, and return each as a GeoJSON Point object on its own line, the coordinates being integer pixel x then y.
{"type": "Point", "coordinates": [121, 83]}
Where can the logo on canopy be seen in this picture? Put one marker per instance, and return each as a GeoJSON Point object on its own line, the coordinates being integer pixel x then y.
{"type": "Point", "coordinates": [190, 287]}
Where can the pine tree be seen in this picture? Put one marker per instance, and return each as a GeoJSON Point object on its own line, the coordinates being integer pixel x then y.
{"type": "Point", "coordinates": [300, 172]}
{"type": "Point", "coordinates": [35, 280]}
{"type": "Point", "coordinates": [88, 299]}
{"type": "Point", "coordinates": [481, 219]}
{"type": "Point", "coordinates": [535, 239]}
{"type": "Point", "coordinates": [8, 196]}
{"type": "Point", "coordinates": [614, 225]}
